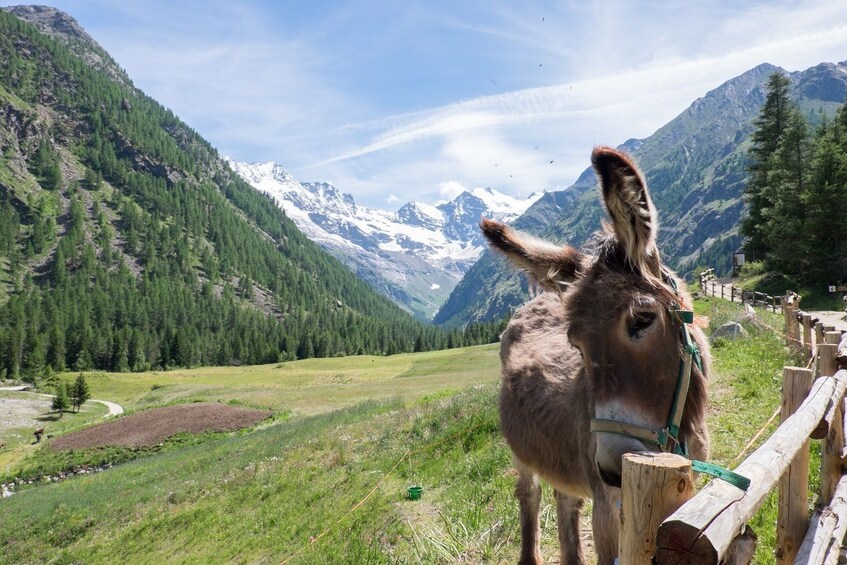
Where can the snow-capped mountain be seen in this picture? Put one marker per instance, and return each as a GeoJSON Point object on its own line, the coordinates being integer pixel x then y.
{"type": "Point", "coordinates": [415, 255]}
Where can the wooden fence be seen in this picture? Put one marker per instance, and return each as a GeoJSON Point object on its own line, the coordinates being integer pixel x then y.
{"type": "Point", "coordinates": [680, 527]}
{"type": "Point", "coordinates": [710, 286]}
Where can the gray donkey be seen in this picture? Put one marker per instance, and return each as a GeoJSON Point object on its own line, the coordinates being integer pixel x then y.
{"type": "Point", "coordinates": [593, 369]}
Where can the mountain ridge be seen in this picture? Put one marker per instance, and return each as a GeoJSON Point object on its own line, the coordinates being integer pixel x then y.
{"type": "Point", "coordinates": [415, 254]}
{"type": "Point", "coordinates": [695, 167]}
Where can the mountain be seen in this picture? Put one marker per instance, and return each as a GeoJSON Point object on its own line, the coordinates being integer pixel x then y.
{"type": "Point", "coordinates": [695, 166]}
{"type": "Point", "coordinates": [128, 243]}
{"type": "Point", "coordinates": [415, 255]}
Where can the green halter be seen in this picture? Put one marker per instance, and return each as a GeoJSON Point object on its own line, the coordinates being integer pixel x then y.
{"type": "Point", "coordinates": [667, 439]}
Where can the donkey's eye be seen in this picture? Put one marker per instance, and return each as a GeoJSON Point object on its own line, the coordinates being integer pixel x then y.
{"type": "Point", "coordinates": [640, 322]}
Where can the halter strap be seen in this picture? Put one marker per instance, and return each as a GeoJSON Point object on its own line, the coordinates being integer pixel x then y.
{"type": "Point", "coordinates": [667, 439]}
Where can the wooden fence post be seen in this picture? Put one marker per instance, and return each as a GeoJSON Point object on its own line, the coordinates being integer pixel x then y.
{"type": "Point", "coordinates": [786, 315]}
{"type": "Point", "coordinates": [832, 456]}
{"type": "Point", "coordinates": [722, 288]}
{"type": "Point", "coordinates": [654, 485]}
{"type": "Point", "coordinates": [793, 513]}
{"type": "Point", "coordinates": [832, 337]}
{"type": "Point", "coordinates": [807, 334]}
{"type": "Point", "coordinates": [703, 529]}
{"type": "Point", "coordinates": [826, 531]}
{"type": "Point", "coordinates": [826, 359]}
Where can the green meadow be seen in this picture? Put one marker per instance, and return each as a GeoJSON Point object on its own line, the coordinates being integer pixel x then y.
{"type": "Point", "coordinates": [326, 481]}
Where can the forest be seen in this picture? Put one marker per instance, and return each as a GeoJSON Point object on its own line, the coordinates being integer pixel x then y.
{"type": "Point", "coordinates": [127, 244]}
{"type": "Point", "coordinates": [797, 190]}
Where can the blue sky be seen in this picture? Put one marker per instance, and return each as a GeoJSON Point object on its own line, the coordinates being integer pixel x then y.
{"type": "Point", "coordinates": [393, 101]}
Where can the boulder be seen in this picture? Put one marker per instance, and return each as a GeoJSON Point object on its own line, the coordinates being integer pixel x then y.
{"type": "Point", "coordinates": [730, 330]}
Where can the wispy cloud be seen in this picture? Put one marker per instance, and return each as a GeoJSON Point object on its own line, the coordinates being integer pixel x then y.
{"type": "Point", "coordinates": [419, 98]}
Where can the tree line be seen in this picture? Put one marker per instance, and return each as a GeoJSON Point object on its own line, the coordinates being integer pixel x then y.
{"type": "Point", "coordinates": [797, 190]}
{"type": "Point", "coordinates": [157, 255]}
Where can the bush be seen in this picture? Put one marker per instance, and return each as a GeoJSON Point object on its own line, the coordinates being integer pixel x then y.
{"type": "Point", "coordinates": [752, 268]}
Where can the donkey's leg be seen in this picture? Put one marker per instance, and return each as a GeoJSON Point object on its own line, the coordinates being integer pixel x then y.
{"type": "Point", "coordinates": [528, 493]}
{"type": "Point", "coordinates": [567, 518]}
{"type": "Point", "coordinates": [605, 522]}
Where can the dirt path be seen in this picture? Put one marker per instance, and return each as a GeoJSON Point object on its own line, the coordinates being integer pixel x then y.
{"type": "Point", "coordinates": [114, 408]}
{"type": "Point", "coordinates": [721, 288]}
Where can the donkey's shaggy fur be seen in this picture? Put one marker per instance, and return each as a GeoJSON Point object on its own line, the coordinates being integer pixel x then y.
{"type": "Point", "coordinates": [601, 345]}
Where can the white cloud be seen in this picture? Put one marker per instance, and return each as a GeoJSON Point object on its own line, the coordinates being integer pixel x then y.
{"type": "Point", "coordinates": [415, 101]}
{"type": "Point", "coordinates": [392, 199]}
{"type": "Point", "coordinates": [450, 189]}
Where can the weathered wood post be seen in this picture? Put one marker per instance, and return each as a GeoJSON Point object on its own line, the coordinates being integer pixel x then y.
{"type": "Point", "coordinates": [654, 485]}
{"type": "Point", "coordinates": [826, 531]}
{"type": "Point", "coordinates": [841, 357]}
{"type": "Point", "coordinates": [826, 368]}
{"type": "Point", "coordinates": [832, 455]}
{"type": "Point", "coordinates": [818, 336]}
{"type": "Point", "coordinates": [722, 288]}
{"type": "Point", "coordinates": [703, 529]}
{"type": "Point", "coordinates": [793, 512]}
{"type": "Point", "coordinates": [786, 315]}
{"type": "Point", "coordinates": [829, 523]}
{"type": "Point", "coordinates": [807, 335]}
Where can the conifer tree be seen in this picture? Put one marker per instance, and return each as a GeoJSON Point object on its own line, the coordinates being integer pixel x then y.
{"type": "Point", "coordinates": [61, 402]}
{"type": "Point", "coordinates": [79, 392]}
{"type": "Point", "coordinates": [770, 126]}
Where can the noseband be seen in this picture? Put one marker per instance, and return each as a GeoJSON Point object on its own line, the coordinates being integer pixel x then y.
{"type": "Point", "coordinates": [667, 439]}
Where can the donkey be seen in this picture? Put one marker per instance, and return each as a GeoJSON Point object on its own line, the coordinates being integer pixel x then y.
{"type": "Point", "coordinates": [605, 351]}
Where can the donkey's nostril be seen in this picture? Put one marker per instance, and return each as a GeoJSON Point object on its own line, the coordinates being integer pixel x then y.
{"type": "Point", "coordinates": [611, 479]}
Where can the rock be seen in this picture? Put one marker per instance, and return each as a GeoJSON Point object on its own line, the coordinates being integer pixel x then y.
{"type": "Point", "coordinates": [730, 330]}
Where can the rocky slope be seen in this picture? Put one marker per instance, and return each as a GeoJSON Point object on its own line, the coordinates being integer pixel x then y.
{"type": "Point", "coordinates": [696, 169]}
{"type": "Point", "coordinates": [415, 255]}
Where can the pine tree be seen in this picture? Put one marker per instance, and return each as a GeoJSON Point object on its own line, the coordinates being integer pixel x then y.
{"type": "Point", "coordinates": [79, 392]}
{"type": "Point", "coordinates": [61, 402]}
{"type": "Point", "coordinates": [784, 217]}
{"type": "Point", "coordinates": [770, 125]}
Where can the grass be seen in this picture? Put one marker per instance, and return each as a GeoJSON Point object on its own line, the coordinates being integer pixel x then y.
{"type": "Point", "coordinates": [307, 387]}
{"type": "Point", "coordinates": [263, 494]}
{"type": "Point", "coordinates": [745, 391]}
{"type": "Point", "coordinates": [19, 441]}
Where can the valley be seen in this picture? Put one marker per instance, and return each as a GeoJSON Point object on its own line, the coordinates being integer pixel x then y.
{"type": "Point", "coordinates": [262, 494]}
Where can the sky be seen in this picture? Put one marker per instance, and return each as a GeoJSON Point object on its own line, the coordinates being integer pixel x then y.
{"type": "Point", "coordinates": [394, 101]}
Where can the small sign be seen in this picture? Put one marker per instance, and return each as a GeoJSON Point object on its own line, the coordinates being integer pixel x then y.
{"type": "Point", "coordinates": [832, 288]}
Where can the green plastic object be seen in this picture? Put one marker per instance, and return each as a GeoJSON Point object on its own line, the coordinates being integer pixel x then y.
{"type": "Point", "coordinates": [732, 478]}
{"type": "Point", "coordinates": [415, 493]}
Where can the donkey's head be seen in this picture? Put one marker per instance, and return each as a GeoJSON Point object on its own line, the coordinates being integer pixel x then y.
{"type": "Point", "coordinates": [623, 309]}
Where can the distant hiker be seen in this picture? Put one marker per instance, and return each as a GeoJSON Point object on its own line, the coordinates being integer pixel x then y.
{"type": "Point", "coordinates": [38, 433]}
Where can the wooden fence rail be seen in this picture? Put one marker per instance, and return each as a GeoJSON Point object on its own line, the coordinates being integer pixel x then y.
{"type": "Point", "coordinates": [711, 527]}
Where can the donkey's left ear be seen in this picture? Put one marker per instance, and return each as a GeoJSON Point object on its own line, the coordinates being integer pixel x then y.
{"type": "Point", "coordinates": [629, 205]}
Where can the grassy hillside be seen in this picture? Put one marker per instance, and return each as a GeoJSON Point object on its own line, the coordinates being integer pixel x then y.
{"type": "Point", "coordinates": [262, 495]}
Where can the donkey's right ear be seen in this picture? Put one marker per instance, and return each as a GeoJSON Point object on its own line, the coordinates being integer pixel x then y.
{"type": "Point", "coordinates": [552, 266]}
